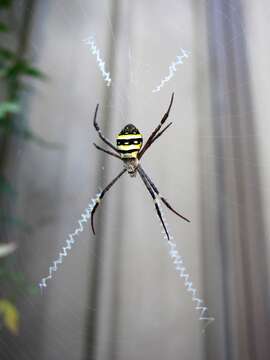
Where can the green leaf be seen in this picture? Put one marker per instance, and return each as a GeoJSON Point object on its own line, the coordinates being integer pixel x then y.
{"type": "Point", "coordinates": [6, 54]}
{"type": "Point", "coordinates": [34, 72]}
{"type": "Point", "coordinates": [21, 67]}
{"type": "Point", "coordinates": [10, 316]}
{"type": "Point", "coordinates": [5, 3]}
{"type": "Point", "coordinates": [12, 71]}
{"type": "Point", "coordinates": [8, 107]}
{"type": "Point", "coordinates": [3, 27]}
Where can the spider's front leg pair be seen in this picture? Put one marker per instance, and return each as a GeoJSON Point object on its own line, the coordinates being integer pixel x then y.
{"type": "Point", "coordinates": [131, 140]}
{"type": "Point", "coordinates": [152, 138]}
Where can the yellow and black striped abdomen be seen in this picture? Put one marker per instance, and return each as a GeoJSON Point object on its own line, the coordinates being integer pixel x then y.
{"type": "Point", "coordinates": [129, 141]}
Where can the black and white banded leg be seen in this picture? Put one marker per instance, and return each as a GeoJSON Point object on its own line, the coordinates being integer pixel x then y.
{"type": "Point", "coordinates": [155, 134]}
{"type": "Point", "coordinates": [158, 135]}
{"type": "Point", "coordinates": [103, 192]}
{"type": "Point", "coordinates": [100, 133]}
{"type": "Point", "coordinates": [152, 193]}
{"type": "Point", "coordinates": [107, 151]}
{"type": "Point", "coordinates": [161, 197]}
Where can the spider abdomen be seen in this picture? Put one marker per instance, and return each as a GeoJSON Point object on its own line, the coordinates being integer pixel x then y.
{"type": "Point", "coordinates": [129, 141]}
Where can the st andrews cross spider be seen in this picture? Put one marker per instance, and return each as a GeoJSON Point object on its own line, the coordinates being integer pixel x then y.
{"type": "Point", "coordinates": [129, 150]}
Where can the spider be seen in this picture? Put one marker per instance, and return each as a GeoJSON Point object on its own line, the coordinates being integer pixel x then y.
{"type": "Point", "coordinates": [129, 150]}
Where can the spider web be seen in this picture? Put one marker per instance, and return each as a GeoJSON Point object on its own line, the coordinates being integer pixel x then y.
{"type": "Point", "coordinates": [132, 101]}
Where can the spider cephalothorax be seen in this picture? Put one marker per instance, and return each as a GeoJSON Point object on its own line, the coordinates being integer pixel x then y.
{"type": "Point", "coordinates": [129, 149]}
{"type": "Point", "coordinates": [129, 130]}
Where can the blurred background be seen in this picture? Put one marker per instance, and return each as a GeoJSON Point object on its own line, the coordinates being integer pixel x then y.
{"type": "Point", "coordinates": [117, 294]}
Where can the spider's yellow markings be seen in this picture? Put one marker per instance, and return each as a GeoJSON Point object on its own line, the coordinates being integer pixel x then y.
{"type": "Point", "coordinates": [129, 136]}
{"type": "Point", "coordinates": [129, 141]}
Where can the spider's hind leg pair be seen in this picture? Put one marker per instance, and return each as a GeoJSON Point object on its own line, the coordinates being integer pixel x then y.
{"type": "Point", "coordinates": [129, 149]}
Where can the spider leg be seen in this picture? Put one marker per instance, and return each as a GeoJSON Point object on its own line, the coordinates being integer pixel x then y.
{"type": "Point", "coordinates": [161, 197]}
{"type": "Point", "coordinates": [158, 135]}
{"type": "Point", "coordinates": [107, 151]}
{"type": "Point", "coordinates": [103, 138]}
{"type": "Point", "coordinates": [154, 133]}
{"type": "Point", "coordinates": [103, 192]}
{"type": "Point", "coordinates": [149, 188]}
